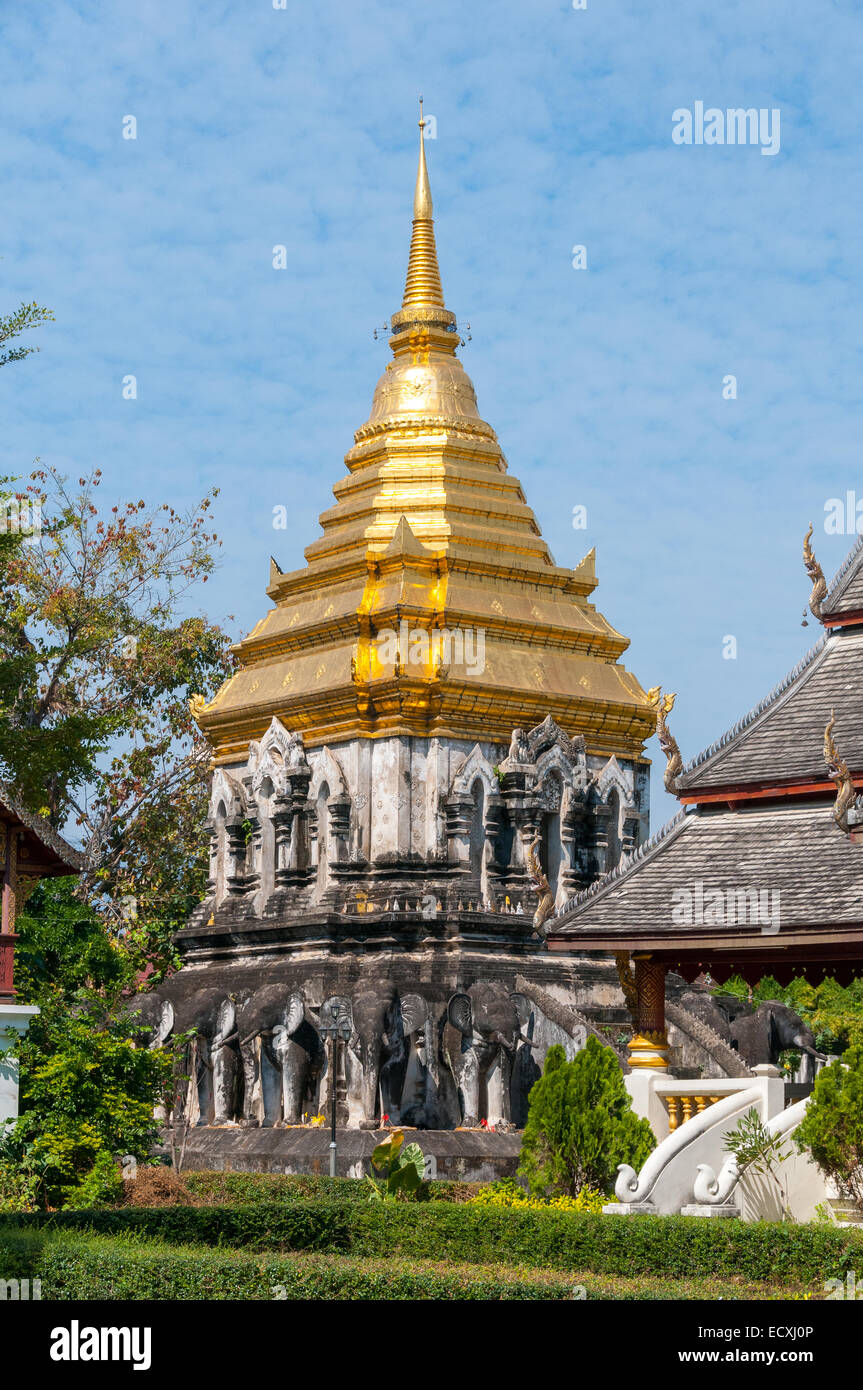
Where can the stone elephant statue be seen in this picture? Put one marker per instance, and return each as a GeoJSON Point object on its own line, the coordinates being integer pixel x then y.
{"type": "Point", "coordinates": [481, 1037]}
{"type": "Point", "coordinates": [152, 1017]}
{"type": "Point", "coordinates": [207, 1017]}
{"type": "Point", "coordinates": [272, 1023]}
{"type": "Point", "coordinates": [210, 1016]}
{"type": "Point", "coordinates": [377, 1053]}
{"type": "Point", "coordinates": [770, 1030]}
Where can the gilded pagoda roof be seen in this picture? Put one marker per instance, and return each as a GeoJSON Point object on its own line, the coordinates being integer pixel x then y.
{"type": "Point", "coordinates": [429, 528]}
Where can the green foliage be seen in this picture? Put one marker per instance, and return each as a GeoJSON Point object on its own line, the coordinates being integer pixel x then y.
{"type": "Point", "coordinates": [27, 316]}
{"type": "Point", "coordinates": [97, 667]}
{"type": "Point", "coordinates": [678, 1247]}
{"type": "Point", "coordinates": [244, 1188]}
{"type": "Point", "coordinates": [832, 1127]}
{"type": "Point", "coordinates": [76, 1266]}
{"type": "Point", "coordinates": [64, 946]}
{"type": "Point", "coordinates": [87, 1095]}
{"type": "Point", "coordinates": [402, 1167]}
{"type": "Point", "coordinates": [580, 1124]}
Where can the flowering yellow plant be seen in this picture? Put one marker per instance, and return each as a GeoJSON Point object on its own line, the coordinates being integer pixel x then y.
{"type": "Point", "coordinates": [507, 1193]}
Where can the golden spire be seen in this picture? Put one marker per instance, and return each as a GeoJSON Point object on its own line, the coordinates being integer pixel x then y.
{"type": "Point", "coordinates": [422, 285]}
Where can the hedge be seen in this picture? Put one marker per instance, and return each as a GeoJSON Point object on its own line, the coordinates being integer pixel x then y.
{"type": "Point", "coordinates": [683, 1247]}
{"type": "Point", "coordinates": [243, 1188]}
{"type": "Point", "coordinates": [72, 1265]}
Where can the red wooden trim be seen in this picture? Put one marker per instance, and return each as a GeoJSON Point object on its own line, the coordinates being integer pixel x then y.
{"type": "Point", "coordinates": [743, 793]}
{"type": "Point", "coordinates": [845, 619]}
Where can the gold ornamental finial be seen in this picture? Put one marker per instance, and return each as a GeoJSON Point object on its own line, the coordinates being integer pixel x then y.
{"type": "Point", "coordinates": [837, 771]}
{"type": "Point", "coordinates": [663, 705]}
{"type": "Point", "coordinates": [816, 574]}
{"type": "Point", "coordinates": [422, 285]}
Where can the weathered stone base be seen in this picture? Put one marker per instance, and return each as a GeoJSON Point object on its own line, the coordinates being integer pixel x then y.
{"type": "Point", "coordinates": [460, 1154]}
{"type": "Point", "coordinates": [729, 1210]}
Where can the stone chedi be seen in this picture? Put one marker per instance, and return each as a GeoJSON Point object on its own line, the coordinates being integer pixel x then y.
{"type": "Point", "coordinates": [428, 734]}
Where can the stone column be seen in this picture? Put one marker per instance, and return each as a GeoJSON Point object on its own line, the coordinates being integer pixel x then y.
{"type": "Point", "coordinates": [649, 1047]}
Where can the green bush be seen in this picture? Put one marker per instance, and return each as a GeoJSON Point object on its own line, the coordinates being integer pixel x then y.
{"type": "Point", "coordinates": [72, 1265]}
{"type": "Point", "coordinates": [832, 1127]}
{"type": "Point", "coordinates": [242, 1188]}
{"type": "Point", "coordinates": [682, 1247]}
{"type": "Point", "coordinates": [580, 1124]}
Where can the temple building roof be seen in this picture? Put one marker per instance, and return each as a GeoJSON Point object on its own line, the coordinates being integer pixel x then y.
{"type": "Point", "coordinates": [764, 874]}
{"type": "Point", "coordinates": [429, 528]}
{"type": "Point", "coordinates": [42, 851]}
{"type": "Point", "coordinates": [807, 877]}
{"type": "Point", "coordinates": [779, 743]}
{"type": "Point", "coordinates": [845, 593]}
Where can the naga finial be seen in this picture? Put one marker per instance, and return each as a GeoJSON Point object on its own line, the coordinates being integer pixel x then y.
{"type": "Point", "coordinates": [837, 770]}
{"type": "Point", "coordinates": [197, 706]}
{"type": "Point", "coordinates": [626, 976]}
{"type": "Point", "coordinates": [664, 704]}
{"type": "Point", "coordinates": [540, 885]}
{"type": "Point", "coordinates": [816, 574]}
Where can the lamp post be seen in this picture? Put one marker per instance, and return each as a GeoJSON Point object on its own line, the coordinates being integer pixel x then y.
{"type": "Point", "coordinates": [335, 1023]}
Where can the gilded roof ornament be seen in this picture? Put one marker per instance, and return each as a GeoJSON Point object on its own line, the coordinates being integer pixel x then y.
{"type": "Point", "coordinates": [422, 284]}
{"type": "Point", "coordinates": [837, 770]}
{"type": "Point", "coordinates": [816, 574]}
{"type": "Point", "coordinates": [663, 705]}
{"type": "Point", "coordinates": [541, 887]}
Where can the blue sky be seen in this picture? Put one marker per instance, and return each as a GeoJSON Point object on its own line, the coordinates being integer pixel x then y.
{"type": "Point", "coordinates": [259, 127]}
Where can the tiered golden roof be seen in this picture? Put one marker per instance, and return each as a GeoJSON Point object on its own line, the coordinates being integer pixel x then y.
{"type": "Point", "coordinates": [430, 529]}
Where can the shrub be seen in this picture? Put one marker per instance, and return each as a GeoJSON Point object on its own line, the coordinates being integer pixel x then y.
{"type": "Point", "coordinates": [507, 1193]}
{"type": "Point", "coordinates": [832, 1127]}
{"type": "Point", "coordinates": [72, 1265]}
{"type": "Point", "coordinates": [101, 1186]}
{"type": "Point", "coordinates": [580, 1124]}
{"type": "Point", "coordinates": [156, 1186]}
{"type": "Point", "coordinates": [679, 1247]}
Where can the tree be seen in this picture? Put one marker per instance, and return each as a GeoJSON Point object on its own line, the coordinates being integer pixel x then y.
{"type": "Point", "coordinates": [97, 666]}
{"type": "Point", "coordinates": [87, 1092]}
{"type": "Point", "coordinates": [13, 325]}
{"type": "Point", "coordinates": [580, 1124]}
{"type": "Point", "coordinates": [832, 1127]}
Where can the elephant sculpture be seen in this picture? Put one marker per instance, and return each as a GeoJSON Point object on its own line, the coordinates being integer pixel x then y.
{"type": "Point", "coordinates": [770, 1030]}
{"type": "Point", "coordinates": [481, 1037]}
{"type": "Point", "coordinates": [272, 1023]}
{"type": "Point", "coordinates": [377, 1053]}
{"type": "Point", "coordinates": [207, 1019]}
{"type": "Point", "coordinates": [152, 1018]}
